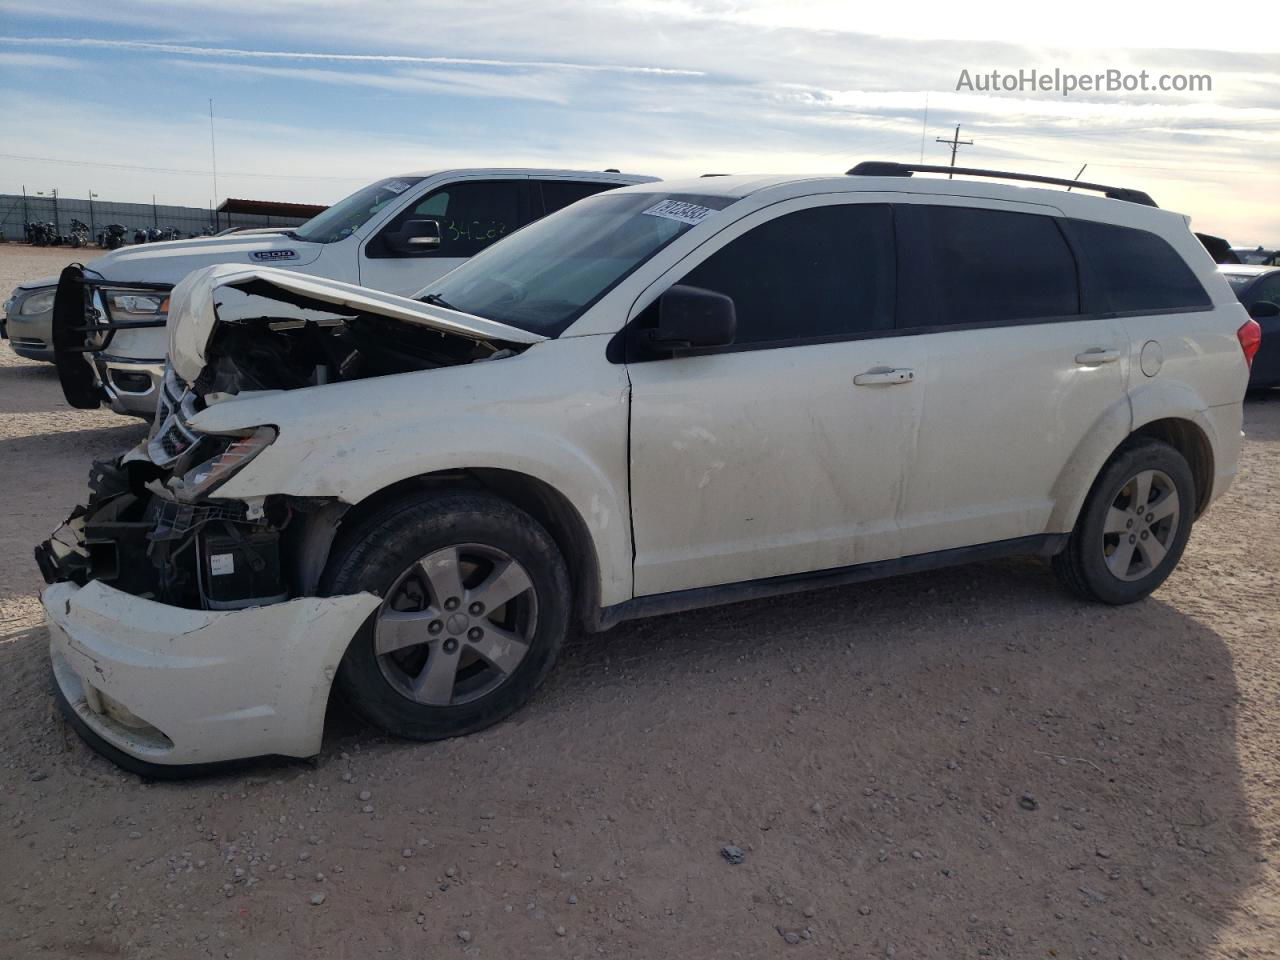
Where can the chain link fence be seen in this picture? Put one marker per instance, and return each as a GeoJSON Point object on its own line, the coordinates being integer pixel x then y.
{"type": "Point", "coordinates": [16, 210]}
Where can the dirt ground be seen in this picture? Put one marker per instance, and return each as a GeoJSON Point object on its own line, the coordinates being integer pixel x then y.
{"type": "Point", "coordinates": [955, 764]}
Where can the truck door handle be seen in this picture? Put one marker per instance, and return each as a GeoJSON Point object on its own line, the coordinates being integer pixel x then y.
{"type": "Point", "coordinates": [1097, 355]}
{"type": "Point", "coordinates": [885, 377]}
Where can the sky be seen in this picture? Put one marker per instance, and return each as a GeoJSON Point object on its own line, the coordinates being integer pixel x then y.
{"type": "Point", "coordinates": [312, 100]}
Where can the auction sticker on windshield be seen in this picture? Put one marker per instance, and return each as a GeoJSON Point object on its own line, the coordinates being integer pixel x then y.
{"type": "Point", "coordinates": [679, 210]}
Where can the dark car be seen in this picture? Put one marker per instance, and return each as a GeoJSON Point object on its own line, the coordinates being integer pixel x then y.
{"type": "Point", "coordinates": [1259, 290]}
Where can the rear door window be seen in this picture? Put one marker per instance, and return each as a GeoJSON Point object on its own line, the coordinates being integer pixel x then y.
{"type": "Point", "coordinates": [1136, 270]}
{"type": "Point", "coordinates": [967, 266]}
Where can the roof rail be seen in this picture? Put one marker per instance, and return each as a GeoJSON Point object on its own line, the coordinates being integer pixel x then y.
{"type": "Point", "coordinates": [887, 168]}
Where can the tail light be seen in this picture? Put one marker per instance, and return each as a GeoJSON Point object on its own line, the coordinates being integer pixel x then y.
{"type": "Point", "coordinates": [1250, 337]}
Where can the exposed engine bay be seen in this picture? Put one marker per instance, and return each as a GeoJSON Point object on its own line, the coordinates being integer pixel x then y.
{"type": "Point", "coordinates": [153, 525]}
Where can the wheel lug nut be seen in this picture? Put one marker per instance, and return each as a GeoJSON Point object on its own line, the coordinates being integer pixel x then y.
{"type": "Point", "coordinates": [477, 608]}
{"type": "Point", "coordinates": [1132, 538]}
{"type": "Point", "coordinates": [1144, 534]}
{"type": "Point", "coordinates": [451, 603]}
{"type": "Point", "coordinates": [1128, 524]}
{"type": "Point", "coordinates": [450, 645]}
{"type": "Point", "coordinates": [1150, 517]}
{"type": "Point", "coordinates": [475, 633]}
{"type": "Point", "coordinates": [435, 626]}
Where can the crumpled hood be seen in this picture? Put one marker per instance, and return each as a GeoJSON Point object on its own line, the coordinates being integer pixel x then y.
{"type": "Point", "coordinates": [193, 312]}
{"type": "Point", "coordinates": [171, 260]}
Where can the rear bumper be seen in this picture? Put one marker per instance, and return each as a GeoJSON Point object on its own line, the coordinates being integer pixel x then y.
{"type": "Point", "coordinates": [1227, 440]}
{"type": "Point", "coordinates": [170, 687]}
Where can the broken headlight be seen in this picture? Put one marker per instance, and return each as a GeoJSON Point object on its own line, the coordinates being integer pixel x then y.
{"type": "Point", "coordinates": [237, 450]}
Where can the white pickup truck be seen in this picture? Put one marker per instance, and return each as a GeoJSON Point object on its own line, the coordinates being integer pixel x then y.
{"type": "Point", "coordinates": [396, 235]}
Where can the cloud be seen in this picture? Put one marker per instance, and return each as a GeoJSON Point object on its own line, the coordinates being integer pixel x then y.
{"type": "Point", "coordinates": [13, 58]}
{"type": "Point", "coordinates": [672, 87]}
{"type": "Point", "coordinates": [200, 51]}
{"type": "Point", "coordinates": [522, 86]}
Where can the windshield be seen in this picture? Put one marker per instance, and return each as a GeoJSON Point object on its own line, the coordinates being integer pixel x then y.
{"type": "Point", "coordinates": [1239, 281]}
{"type": "Point", "coordinates": [544, 277]}
{"type": "Point", "coordinates": [345, 216]}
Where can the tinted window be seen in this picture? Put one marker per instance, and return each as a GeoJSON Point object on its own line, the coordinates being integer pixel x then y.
{"type": "Point", "coordinates": [986, 266]}
{"type": "Point", "coordinates": [561, 193]}
{"type": "Point", "coordinates": [824, 272]}
{"type": "Point", "coordinates": [471, 214]}
{"type": "Point", "coordinates": [1268, 288]}
{"type": "Point", "coordinates": [1138, 270]}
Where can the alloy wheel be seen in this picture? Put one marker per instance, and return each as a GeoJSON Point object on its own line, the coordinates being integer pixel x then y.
{"type": "Point", "coordinates": [1140, 525]}
{"type": "Point", "coordinates": [456, 625]}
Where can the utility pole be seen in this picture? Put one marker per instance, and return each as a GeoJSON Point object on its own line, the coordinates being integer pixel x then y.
{"type": "Point", "coordinates": [955, 143]}
{"type": "Point", "coordinates": [213, 156]}
{"type": "Point", "coordinates": [155, 217]}
{"type": "Point", "coordinates": [93, 230]}
{"type": "Point", "coordinates": [57, 225]}
{"type": "Point", "coordinates": [924, 126]}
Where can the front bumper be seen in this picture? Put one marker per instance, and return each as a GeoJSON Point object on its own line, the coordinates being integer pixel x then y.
{"type": "Point", "coordinates": [31, 335]}
{"type": "Point", "coordinates": [169, 687]}
{"type": "Point", "coordinates": [131, 386]}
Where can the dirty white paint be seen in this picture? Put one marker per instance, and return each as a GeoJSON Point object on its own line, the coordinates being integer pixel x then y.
{"type": "Point", "coordinates": [218, 684]}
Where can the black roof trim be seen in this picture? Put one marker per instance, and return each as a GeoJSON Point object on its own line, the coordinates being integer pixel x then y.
{"type": "Point", "coordinates": [887, 168]}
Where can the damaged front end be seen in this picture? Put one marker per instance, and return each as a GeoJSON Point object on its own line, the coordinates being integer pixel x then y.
{"type": "Point", "coordinates": [186, 628]}
{"type": "Point", "coordinates": [154, 526]}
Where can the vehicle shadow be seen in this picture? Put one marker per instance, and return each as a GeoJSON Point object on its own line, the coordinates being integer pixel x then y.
{"type": "Point", "coordinates": [30, 387]}
{"type": "Point", "coordinates": [955, 761]}
{"type": "Point", "coordinates": [43, 476]}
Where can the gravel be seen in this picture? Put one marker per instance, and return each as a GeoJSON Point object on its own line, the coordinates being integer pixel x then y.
{"type": "Point", "coordinates": [681, 729]}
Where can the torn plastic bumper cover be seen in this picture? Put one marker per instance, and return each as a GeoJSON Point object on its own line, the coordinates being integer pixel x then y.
{"type": "Point", "coordinates": [167, 686]}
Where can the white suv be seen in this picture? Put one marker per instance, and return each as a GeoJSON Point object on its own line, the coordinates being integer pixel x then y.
{"type": "Point", "coordinates": [663, 397]}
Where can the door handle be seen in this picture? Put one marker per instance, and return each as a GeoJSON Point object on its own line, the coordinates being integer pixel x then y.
{"type": "Point", "coordinates": [1098, 355]}
{"type": "Point", "coordinates": [883, 377]}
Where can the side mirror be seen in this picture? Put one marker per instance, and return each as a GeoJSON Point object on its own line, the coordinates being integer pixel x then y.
{"type": "Point", "coordinates": [1264, 309]}
{"type": "Point", "coordinates": [691, 317]}
{"type": "Point", "coordinates": [415, 236]}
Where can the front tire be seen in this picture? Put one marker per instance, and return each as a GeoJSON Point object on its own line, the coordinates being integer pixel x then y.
{"type": "Point", "coordinates": [475, 609]}
{"type": "Point", "coordinates": [1133, 527]}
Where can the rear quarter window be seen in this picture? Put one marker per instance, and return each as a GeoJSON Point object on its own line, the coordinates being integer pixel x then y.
{"type": "Point", "coordinates": [968, 266]}
{"type": "Point", "coordinates": [1137, 271]}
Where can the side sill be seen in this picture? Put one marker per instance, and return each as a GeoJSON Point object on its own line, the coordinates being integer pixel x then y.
{"type": "Point", "coordinates": [679, 601]}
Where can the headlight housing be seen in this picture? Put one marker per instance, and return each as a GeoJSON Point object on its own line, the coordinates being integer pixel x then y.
{"type": "Point", "coordinates": [236, 452]}
{"type": "Point", "coordinates": [135, 304]}
{"type": "Point", "coordinates": [39, 302]}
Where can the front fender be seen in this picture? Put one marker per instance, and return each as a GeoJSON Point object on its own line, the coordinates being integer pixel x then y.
{"type": "Point", "coordinates": [570, 433]}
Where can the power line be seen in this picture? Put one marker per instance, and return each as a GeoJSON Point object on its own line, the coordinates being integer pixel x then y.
{"type": "Point", "coordinates": [174, 170]}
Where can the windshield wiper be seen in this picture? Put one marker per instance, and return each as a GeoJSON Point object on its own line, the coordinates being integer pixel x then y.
{"type": "Point", "coordinates": [435, 300]}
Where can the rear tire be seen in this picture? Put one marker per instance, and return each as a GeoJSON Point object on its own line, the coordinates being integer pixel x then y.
{"type": "Point", "coordinates": [1119, 553]}
{"type": "Point", "coordinates": [475, 608]}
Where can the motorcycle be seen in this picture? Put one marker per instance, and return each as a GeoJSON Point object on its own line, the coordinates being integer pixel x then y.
{"type": "Point", "coordinates": [112, 237]}
{"type": "Point", "coordinates": [140, 235]}
{"type": "Point", "coordinates": [79, 235]}
{"type": "Point", "coordinates": [41, 233]}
